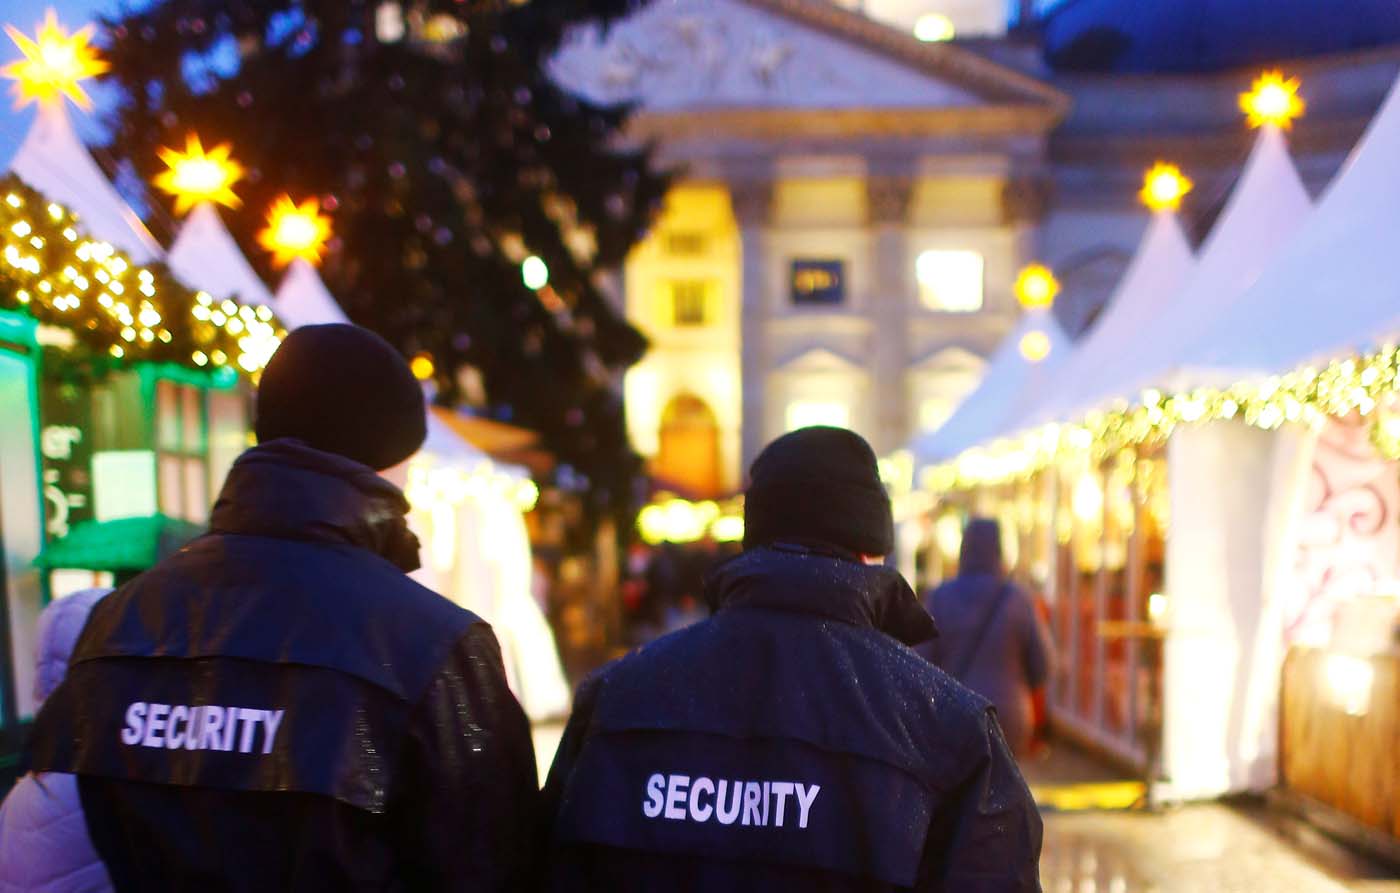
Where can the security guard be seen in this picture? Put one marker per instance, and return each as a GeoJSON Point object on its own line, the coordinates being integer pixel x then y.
{"type": "Point", "coordinates": [792, 741]}
{"type": "Point", "coordinates": [277, 706]}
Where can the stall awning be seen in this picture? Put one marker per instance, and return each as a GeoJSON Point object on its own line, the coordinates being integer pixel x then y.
{"type": "Point", "coordinates": [124, 544]}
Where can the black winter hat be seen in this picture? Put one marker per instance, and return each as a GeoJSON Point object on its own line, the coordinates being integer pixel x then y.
{"type": "Point", "coordinates": [819, 486]}
{"type": "Point", "coordinates": [343, 389]}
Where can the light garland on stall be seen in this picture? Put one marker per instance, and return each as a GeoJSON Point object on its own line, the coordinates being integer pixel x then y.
{"type": "Point", "coordinates": [676, 520]}
{"type": "Point", "coordinates": [1308, 396]}
{"type": "Point", "coordinates": [60, 277]}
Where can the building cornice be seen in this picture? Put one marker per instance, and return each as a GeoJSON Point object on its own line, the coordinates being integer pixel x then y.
{"type": "Point", "coordinates": [783, 124]}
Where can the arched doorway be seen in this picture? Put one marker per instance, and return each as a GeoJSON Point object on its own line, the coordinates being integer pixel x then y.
{"type": "Point", "coordinates": [688, 455]}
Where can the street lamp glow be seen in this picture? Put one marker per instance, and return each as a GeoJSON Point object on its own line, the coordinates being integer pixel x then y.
{"type": "Point", "coordinates": [195, 176]}
{"type": "Point", "coordinates": [295, 231]}
{"type": "Point", "coordinates": [1164, 187]}
{"type": "Point", "coordinates": [1036, 287]}
{"type": "Point", "coordinates": [422, 366]}
{"type": "Point", "coordinates": [53, 65]}
{"type": "Point", "coordinates": [534, 272]}
{"type": "Point", "coordinates": [934, 28]}
{"type": "Point", "coordinates": [1273, 99]}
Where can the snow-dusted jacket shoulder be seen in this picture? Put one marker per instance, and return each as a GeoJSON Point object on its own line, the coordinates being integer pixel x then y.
{"type": "Point", "coordinates": [44, 842]}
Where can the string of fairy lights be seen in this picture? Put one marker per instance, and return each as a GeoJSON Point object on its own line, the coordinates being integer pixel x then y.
{"type": "Point", "coordinates": [1366, 385]}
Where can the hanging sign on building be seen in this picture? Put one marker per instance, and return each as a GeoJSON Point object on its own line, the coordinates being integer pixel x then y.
{"type": "Point", "coordinates": [816, 281]}
{"type": "Point", "coordinates": [67, 456]}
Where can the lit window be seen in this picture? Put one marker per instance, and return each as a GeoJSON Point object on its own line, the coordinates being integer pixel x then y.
{"type": "Point", "coordinates": [818, 281]}
{"type": "Point", "coordinates": [689, 306]}
{"type": "Point", "coordinates": [686, 243]}
{"type": "Point", "coordinates": [950, 281]}
{"type": "Point", "coordinates": [934, 27]}
{"type": "Point", "coordinates": [806, 413]}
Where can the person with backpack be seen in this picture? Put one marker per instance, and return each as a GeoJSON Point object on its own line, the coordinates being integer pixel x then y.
{"type": "Point", "coordinates": [991, 637]}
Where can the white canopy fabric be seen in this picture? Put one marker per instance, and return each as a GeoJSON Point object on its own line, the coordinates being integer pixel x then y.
{"type": "Point", "coordinates": [1268, 205]}
{"type": "Point", "coordinates": [303, 299]}
{"type": "Point", "coordinates": [1159, 267]}
{"type": "Point", "coordinates": [1334, 288]}
{"type": "Point", "coordinates": [55, 162]}
{"type": "Point", "coordinates": [205, 256]}
{"type": "Point", "coordinates": [1001, 399]}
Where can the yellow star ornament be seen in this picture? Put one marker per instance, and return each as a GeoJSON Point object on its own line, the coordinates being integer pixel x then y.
{"type": "Point", "coordinates": [195, 175]}
{"type": "Point", "coordinates": [54, 62]}
{"type": "Point", "coordinates": [295, 231]}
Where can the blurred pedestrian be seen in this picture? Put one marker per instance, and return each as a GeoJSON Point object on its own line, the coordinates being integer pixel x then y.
{"type": "Point", "coordinates": [991, 637]}
{"type": "Point", "coordinates": [792, 741]}
{"type": "Point", "coordinates": [44, 842]}
{"type": "Point", "coordinates": [278, 706]}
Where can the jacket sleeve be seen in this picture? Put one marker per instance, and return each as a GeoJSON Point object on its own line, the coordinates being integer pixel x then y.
{"type": "Point", "coordinates": [467, 809]}
{"type": "Point", "coordinates": [988, 841]}
{"type": "Point", "coordinates": [1037, 653]}
{"type": "Point", "coordinates": [570, 745]}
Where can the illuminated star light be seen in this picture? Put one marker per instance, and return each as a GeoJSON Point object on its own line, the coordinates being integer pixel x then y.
{"type": "Point", "coordinates": [195, 175]}
{"type": "Point", "coordinates": [295, 231]}
{"type": "Point", "coordinates": [1273, 99]}
{"type": "Point", "coordinates": [1164, 187]}
{"type": "Point", "coordinates": [1036, 287]}
{"type": "Point", "coordinates": [53, 64]}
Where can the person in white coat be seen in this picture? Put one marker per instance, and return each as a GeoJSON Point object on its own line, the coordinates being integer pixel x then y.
{"type": "Point", "coordinates": [44, 842]}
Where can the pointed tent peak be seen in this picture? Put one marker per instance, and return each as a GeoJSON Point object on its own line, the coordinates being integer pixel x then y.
{"type": "Point", "coordinates": [53, 161]}
{"type": "Point", "coordinates": [1268, 205]}
{"type": "Point", "coordinates": [1332, 289]}
{"type": "Point", "coordinates": [1002, 399]}
{"type": "Point", "coordinates": [303, 299]}
{"type": "Point", "coordinates": [1157, 271]}
{"type": "Point", "coordinates": [205, 256]}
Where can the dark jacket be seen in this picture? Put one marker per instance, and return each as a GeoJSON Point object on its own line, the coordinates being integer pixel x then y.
{"type": "Point", "coordinates": [789, 743]}
{"type": "Point", "coordinates": [278, 707]}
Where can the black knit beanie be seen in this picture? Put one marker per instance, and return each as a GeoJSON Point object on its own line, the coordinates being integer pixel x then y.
{"type": "Point", "coordinates": [344, 390]}
{"type": "Point", "coordinates": [819, 486]}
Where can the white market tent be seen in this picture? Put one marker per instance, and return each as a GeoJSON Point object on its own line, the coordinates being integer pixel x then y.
{"type": "Point", "coordinates": [302, 298]}
{"type": "Point", "coordinates": [1334, 288]}
{"type": "Point", "coordinates": [1157, 271]}
{"type": "Point", "coordinates": [1002, 397]}
{"type": "Point", "coordinates": [55, 162]}
{"type": "Point", "coordinates": [1266, 208]}
{"type": "Point", "coordinates": [205, 256]}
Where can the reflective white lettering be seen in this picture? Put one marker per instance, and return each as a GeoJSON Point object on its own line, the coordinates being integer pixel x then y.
{"type": "Point", "coordinates": [806, 796]}
{"type": "Point", "coordinates": [753, 793]}
{"type": "Point", "coordinates": [250, 728]}
{"type": "Point", "coordinates": [155, 725]}
{"type": "Point", "coordinates": [781, 790]}
{"type": "Point", "coordinates": [192, 735]}
{"type": "Point", "coordinates": [272, 719]}
{"type": "Point", "coordinates": [173, 738]}
{"type": "Point", "coordinates": [728, 814]}
{"type": "Point", "coordinates": [231, 715]}
{"type": "Point", "coordinates": [698, 811]}
{"type": "Point", "coordinates": [675, 796]}
{"type": "Point", "coordinates": [749, 804]}
{"type": "Point", "coordinates": [652, 807]}
{"type": "Point", "coordinates": [213, 724]}
{"type": "Point", "coordinates": [135, 723]}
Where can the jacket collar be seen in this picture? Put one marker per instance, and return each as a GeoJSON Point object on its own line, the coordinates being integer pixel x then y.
{"type": "Point", "coordinates": [286, 490]}
{"type": "Point", "coordinates": [819, 581]}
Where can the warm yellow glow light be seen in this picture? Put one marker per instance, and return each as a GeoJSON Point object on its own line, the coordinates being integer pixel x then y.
{"type": "Point", "coordinates": [1164, 187]}
{"type": "Point", "coordinates": [422, 366]}
{"type": "Point", "coordinates": [53, 64]}
{"type": "Point", "coordinates": [295, 231]}
{"type": "Point", "coordinates": [195, 176]}
{"type": "Point", "coordinates": [1035, 346]}
{"type": "Point", "coordinates": [934, 27]}
{"type": "Point", "coordinates": [1273, 99]}
{"type": "Point", "coordinates": [1036, 286]}
{"type": "Point", "coordinates": [534, 272]}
